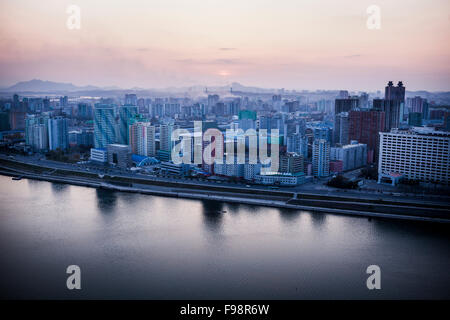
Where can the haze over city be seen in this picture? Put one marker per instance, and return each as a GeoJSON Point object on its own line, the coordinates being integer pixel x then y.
{"type": "Point", "coordinates": [291, 44]}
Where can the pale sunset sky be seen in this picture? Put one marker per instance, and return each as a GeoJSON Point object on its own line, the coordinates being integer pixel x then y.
{"type": "Point", "coordinates": [292, 44]}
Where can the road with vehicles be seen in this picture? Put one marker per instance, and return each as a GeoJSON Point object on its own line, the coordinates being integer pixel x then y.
{"type": "Point", "coordinates": [322, 200]}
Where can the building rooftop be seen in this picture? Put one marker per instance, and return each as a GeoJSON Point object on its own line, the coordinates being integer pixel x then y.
{"type": "Point", "coordinates": [352, 145]}
{"type": "Point", "coordinates": [427, 131]}
{"type": "Point", "coordinates": [116, 145]}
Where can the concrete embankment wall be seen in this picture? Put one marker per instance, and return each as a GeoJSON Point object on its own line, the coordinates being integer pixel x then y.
{"type": "Point", "coordinates": [378, 208]}
{"type": "Point", "coordinates": [272, 198]}
{"type": "Point", "coordinates": [128, 181]}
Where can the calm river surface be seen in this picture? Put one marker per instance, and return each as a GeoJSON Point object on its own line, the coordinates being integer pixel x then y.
{"type": "Point", "coordinates": [139, 246]}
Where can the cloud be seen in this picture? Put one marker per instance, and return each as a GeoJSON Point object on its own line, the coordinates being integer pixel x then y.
{"type": "Point", "coordinates": [185, 61]}
{"type": "Point", "coordinates": [227, 61]}
{"type": "Point", "coordinates": [212, 62]}
{"type": "Point", "coordinates": [353, 56]}
{"type": "Point", "coordinates": [227, 49]}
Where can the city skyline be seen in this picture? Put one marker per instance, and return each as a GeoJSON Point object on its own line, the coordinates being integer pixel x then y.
{"type": "Point", "coordinates": [175, 43]}
{"type": "Point", "coordinates": [216, 150]}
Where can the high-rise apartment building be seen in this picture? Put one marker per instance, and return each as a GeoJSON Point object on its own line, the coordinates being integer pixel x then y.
{"type": "Point", "coordinates": [391, 109]}
{"type": "Point", "coordinates": [142, 139]}
{"type": "Point", "coordinates": [364, 100]}
{"type": "Point", "coordinates": [39, 140]}
{"type": "Point", "coordinates": [234, 169]}
{"type": "Point", "coordinates": [352, 155]}
{"type": "Point", "coordinates": [418, 104]}
{"type": "Point", "coordinates": [321, 158]}
{"type": "Point", "coordinates": [17, 115]}
{"type": "Point", "coordinates": [343, 94]}
{"type": "Point", "coordinates": [165, 136]}
{"type": "Point", "coordinates": [104, 125]}
{"type": "Point", "coordinates": [58, 136]}
{"type": "Point", "coordinates": [393, 105]}
{"type": "Point", "coordinates": [251, 170]}
{"type": "Point", "coordinates": [247, 120]}
{"type": "Point", "coordinates": [212, 100]}
{"type": "Point", "coordinates": [323, 133]}
{"type": "Point", "coordinates": [125, 114]}
{"type": "Point", "coordinates": [291, 163]}
{"type": "Point", "coordinates": [345, 105]}
{"type": "Point", "coordinates": [298, 143]}
{"type": "Point", "coordinates": [417, 154]}
{"type": "Point", "coordinates": [341, 127]}
{"type": "Point", "coordinates": [396, 93]}
{"type": "Point", "coordinates": [364, 127]}
{"type": "Point", "coordinates": [130, 99]}
{"type": "Point", "coordinates": [36, 131]}
{"type": "Point", "coordinates": [84, 111]}
{"type": "Point", "coordinates": [63, 101]}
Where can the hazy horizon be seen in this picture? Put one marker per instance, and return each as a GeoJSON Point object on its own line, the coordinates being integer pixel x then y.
{"type": "Point", "coordinates": [206, 86]}
{"type": "Point", "coordinates": [291, 44]}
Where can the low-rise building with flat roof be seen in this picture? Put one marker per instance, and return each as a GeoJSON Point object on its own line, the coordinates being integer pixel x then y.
{"type": "Point", "coordinates": [99, 155]}
{"type": "Point", "coordinates": [119, 155]}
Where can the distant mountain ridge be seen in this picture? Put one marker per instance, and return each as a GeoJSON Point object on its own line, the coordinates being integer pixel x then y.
{"type": "Point", "coordinates": [43, 86]}
{"type": "Point", "coordinates": [37, 85]}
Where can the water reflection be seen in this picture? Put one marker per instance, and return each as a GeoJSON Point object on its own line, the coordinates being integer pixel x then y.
{"type": "Point", "coordinates": [247, 252]}
{"type": "Point", "coordinates": [288, 215]}
{"type": "Point", "coordinates": [397, 227]}
{"type": "Point", "coordinates": [131, 198]}
{"type": "Point", "coordinates": [33, 184]}
{"type": "Point", "coordinates": [318, 219]}
{"type": "Point", "coordinates": [59, 188]}
{"type": "Point", "coordinates": [249, 208]}
{"type": "Point", "coordinates": [213, 215]}
{"type": "Point", "coordinates": [233, 207]}
{"type": "Point", "coordinates": [106, 200]}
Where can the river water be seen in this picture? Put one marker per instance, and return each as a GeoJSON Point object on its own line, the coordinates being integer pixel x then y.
{"type": "Point", "coordinates": [139, 246]}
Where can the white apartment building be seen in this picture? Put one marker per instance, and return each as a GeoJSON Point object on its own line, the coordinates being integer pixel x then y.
{"type": "Point", "coordinates": [165, 136]}
{"type": "Point", "coordinates": [352, 155]}
{"type": "Point", "coordinates": [321, 158]}
{"type": "Point", "coordinates": [229, 169]}
{"type": "Point", "coordinates": [283, 179]}
{"type": "Point", "coordinates": [142, 139]}
{"type": "Point", "coordinates": [251, 170]}
{"type": "Point", "coordinates": [99, 155]}
{"type": "Point", "coordinates": [419, 154]}
{"type": "Point", "coordinates": [39, 137]}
